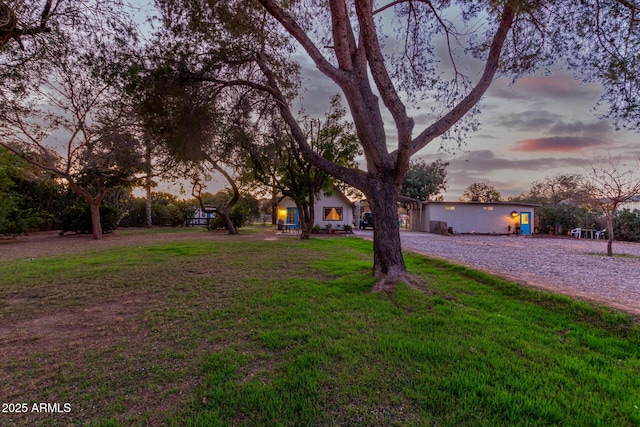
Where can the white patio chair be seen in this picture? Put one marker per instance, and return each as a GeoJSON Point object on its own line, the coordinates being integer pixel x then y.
{"type": "Point", "coordinates": [576, 232]}
{"type": "Point", "coordinates": [601, 234]}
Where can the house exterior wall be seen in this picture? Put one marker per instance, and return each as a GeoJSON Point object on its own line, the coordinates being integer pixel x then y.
{"type": "Point", "coordinates": [469, 217]}
{"type": "Point", "coordinates": [334, 201]}
{"type": "Point", "coordinates": [632, 204]}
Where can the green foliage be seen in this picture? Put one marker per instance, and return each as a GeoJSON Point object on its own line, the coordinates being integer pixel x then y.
{"type": "Point", "coordinates": [425, 181]}
{"type": "Point", "coordinates": [77, 218]}
{"type": "Point", "coordinates": [136, 215]}
{"type": "Point", "coordinates": [16, 216]}
{"type": "Point", "coordinates": [481, 192]}
{"type": "Point", "coordinates": [626, 225]}
{"type": "Point", "coordinates": [246, 209]}
{"type": "Point", "coordinates": [565, 217]}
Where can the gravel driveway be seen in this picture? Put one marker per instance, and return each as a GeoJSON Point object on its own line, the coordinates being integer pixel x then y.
{"type": "Point", "coordinates": [573, 267]}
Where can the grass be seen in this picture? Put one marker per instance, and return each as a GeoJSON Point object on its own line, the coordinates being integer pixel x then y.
{"type": "Point", "coordinates": [254, 332]}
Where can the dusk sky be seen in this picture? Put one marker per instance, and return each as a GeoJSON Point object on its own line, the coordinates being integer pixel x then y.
{"type": "Point", "coordinates": [539, 127]}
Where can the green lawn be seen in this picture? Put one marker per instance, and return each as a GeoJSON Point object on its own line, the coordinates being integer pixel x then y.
{"type": "Point", "coordinates": [254, 332]}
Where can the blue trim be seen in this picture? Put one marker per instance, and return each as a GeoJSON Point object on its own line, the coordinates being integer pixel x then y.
{"type": "Point", "coordinates": [525, 228]}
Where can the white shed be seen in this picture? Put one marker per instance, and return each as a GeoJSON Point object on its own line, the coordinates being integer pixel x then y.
{"type": "Point", "coordinates": [473, 217]}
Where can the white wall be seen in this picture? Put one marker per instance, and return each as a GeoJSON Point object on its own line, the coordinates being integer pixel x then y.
{"type": "Point", "coordinates": [333, 201]}
{"type": "Point", "coordinates": [471, 217]}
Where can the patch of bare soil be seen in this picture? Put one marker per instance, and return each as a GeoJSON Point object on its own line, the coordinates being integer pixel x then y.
{"type": "Point", "coordinates": [44, 347]}
{"type": "Point", "coordinates": [50, 243]}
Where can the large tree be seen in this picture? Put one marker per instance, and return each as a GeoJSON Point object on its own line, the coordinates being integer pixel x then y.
{"type": "Point", "coordinates": [481, 192]}
{"type": "Point", "coordinates": [346, 42]}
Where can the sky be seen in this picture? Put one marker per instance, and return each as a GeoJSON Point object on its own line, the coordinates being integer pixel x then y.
{"type": "Point", "coordinates": [538, 127]}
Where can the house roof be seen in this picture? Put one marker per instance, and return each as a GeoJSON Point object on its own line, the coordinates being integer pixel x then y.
{"type": "Point", "coordinates": [530, 205]}
{"type": "Point", "coordinates": [336, 192]}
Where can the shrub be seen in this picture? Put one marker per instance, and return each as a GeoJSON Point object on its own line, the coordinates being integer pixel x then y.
{"type": "Point", "coordinates": [626, 225]}
{"type": "Point", "coordinates": [77, 218]}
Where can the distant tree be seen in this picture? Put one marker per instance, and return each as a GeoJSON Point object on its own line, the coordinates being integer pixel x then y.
{"type": "Point", "coordinates": [70, 117]}
{"type": "Point", "coordinates": [481, 192]}
{"type": "Point", "coordinates": [551, 191]}
{"type": "Point", "coordinates": [425, 181]}
{"type": "Point", "coordinates": [608, 186]}
{"type": "Point", "coordinates": [280, 163]}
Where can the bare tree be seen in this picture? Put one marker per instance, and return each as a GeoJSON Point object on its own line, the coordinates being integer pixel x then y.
{"type": "Point", "coordinates": [608, 185]}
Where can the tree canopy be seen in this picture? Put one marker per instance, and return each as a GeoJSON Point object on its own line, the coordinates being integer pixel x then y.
{"type": "Point", "coordinates": [481, 192]}
{"type": "Point", "coordinates": [425, 181]}
{"type": "Point", "coordinates": [349, 43]}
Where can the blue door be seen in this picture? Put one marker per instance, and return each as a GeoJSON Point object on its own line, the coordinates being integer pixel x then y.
{"type": "Point", "coordinates": [525, 223]}
{"type": "Point", "coordinates": [292, 217]}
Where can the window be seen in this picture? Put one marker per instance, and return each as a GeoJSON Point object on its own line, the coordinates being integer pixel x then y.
{"type": "Point", "coordinates": [333, 214]}
{"type": "Point", "coordinates": [487, 208]}
{"type": "Point", "coordinates": [449, 208]}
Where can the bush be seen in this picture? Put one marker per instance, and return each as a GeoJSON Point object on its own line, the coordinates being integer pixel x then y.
{"type": "Point", "coordinates": [238, 215]}
{"type": "Point", "coordinates": [626, 225]}
{"type": "Point", "coordinates": [563, 217]}
{"type": "Point", "coordinates": [77, 219]}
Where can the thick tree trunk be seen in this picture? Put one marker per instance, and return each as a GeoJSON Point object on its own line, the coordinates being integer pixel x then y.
{"type": "Point", "coordinates": [227, 221]}
{"type": "Point", "coordinates": [94, 209]}
{"type": "Point", "coordinates": [388, 263]}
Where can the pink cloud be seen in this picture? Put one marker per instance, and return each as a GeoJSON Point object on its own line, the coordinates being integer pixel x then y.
{"type": "Point", "coordinates": [556, 87]}
{"type": "Point", "coordinates": [563, 144]}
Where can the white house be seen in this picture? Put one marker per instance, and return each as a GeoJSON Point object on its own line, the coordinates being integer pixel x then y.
{"type": "Point", "coordinates": [473, 217]}
{"type": "Point", "coordinates": [335, 209]}
{"type": "Point", "coordinates": [631, 204]}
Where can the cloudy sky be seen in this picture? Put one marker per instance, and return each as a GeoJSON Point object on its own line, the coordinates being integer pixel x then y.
{"type": "Point", "coordinates": [539, 127]}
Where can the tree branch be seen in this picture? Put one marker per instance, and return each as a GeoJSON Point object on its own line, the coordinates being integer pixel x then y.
{"type": "Point", "coordinates": [466, 104]}
{"type": "Point", "coordinates": [351, 176]}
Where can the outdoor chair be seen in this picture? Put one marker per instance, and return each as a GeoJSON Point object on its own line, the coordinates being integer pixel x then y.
{"type": "Point", "coordinates": [601, 234]}
{"type": "Point", "coordinates": [576, 232]}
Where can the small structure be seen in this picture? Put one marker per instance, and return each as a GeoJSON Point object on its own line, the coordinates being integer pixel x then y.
{"type": "Point", "coordinates": [632, 204]}
{"type": "Point", "coordinates": [472, 217]}
{"type": "Point", "coordinates": [335, 209]}
{"type": "Point", "coordinates": [203, 216]}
